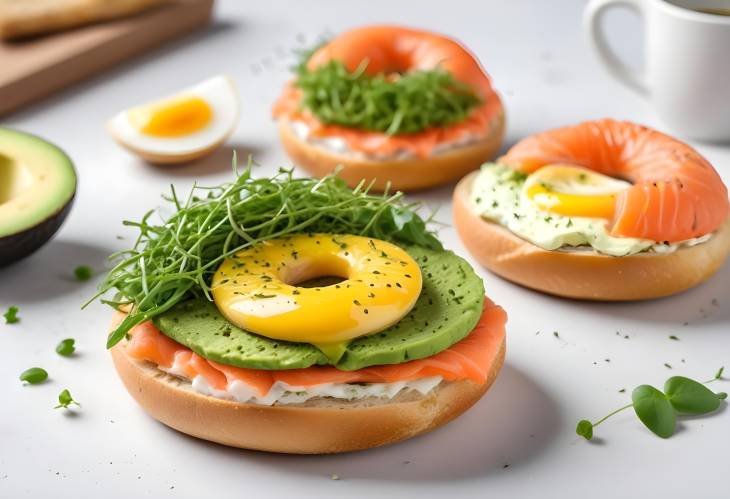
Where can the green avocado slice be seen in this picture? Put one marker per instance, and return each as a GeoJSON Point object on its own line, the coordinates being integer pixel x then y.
{"type": "Point", "coordinates": [447, 310]}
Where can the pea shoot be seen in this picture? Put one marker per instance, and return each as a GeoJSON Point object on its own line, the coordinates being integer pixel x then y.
{"type": "Point", "coordinates": [34, 376]}
{"type": "Point", "coordinates": [66, 347]}
{"type": "Point", "coordinates": [11, 316]}
{"type": "Point", "coordinates": [658, 410]}
{"type": "Point", "coordinates": [65, 400]}
{"type": "Point", "coordinates": [410, 103]}
{"type": "Point", "coordinates": [83, 273]}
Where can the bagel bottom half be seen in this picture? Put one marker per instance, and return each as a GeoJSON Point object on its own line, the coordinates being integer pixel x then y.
{"type": "Point", "coordinates": [584, 274]}
{"type": "Point", "coordinates": [318, 426]}
{"type": "Point", "coordinates": [407, 174]}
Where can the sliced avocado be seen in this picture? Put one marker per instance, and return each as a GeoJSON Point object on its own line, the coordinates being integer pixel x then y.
{"type": "Point", "coordinates": [37, 187]}
{"type": "Point", "coordinates": [447, 310]}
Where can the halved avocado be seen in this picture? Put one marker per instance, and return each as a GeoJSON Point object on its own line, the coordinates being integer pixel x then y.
{"type": "Point", "coordinates": [37, 188]}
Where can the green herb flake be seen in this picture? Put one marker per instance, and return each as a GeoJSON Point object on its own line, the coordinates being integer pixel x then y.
{"type": "Point", "coordinates": [673, 337]}
{"type": "Point", "coordinates": [34, 375]}
{"type": "Point", "coordinates": [65, 400]}
{"type": "Point", "coordinates": [11, 316]}
{"type": "Point", "coordinates": [66, 347]}
{"type": "Point", "coordinates": [83, 273]}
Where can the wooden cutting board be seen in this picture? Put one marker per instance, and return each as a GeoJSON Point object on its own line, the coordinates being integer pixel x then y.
{"type": "Point", "coordinates": [32, 69]}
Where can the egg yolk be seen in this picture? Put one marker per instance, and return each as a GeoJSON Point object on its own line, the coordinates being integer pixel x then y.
{"type": "Point", "coordinates": [573, 191]}
{"type": "Point", "coordinates": [257, 289]}
{"type": "Point", "coordinates": [174, 117]}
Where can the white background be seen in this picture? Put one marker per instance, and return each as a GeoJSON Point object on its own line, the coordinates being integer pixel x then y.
{"type": "Point", "coordinates": [541, 64]}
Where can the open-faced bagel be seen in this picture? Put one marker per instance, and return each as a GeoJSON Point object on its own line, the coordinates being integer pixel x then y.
{"type": "Point", "coordinates": [318, 426]}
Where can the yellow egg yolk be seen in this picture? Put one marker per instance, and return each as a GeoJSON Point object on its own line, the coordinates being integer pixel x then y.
{"type": "Point", "coordinates": [257, 289]}
{"type": "Point", "coordinates": [175, 117]}
{"type": "Point", "coordinates": [573, 191]}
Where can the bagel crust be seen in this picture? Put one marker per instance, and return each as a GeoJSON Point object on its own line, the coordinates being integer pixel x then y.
{"type": "Point", "coordinates": [586, 274]}
{"type": "Point", "coordinates": [408, 174]}
{"type": "Point", "coordinates": [318, 426]}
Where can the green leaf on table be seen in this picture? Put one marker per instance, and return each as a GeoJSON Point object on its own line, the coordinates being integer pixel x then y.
{"type": "Point", "coordinates": [585, 429]}
{"type": "Point", "coordinates": [654, 410]}
{"type": "Point", "coordinates": [687, 396]}
{"type": "Point", "coordinates": [65, 400]}
{"type": "Point", "coordinates": [83, 273]}
{"type": "Point", "coordinates": [66, 347]}
{"type": "Point", "coordinates": [34, 375]}
{"type": "Point", "coordinates": [11, 316]}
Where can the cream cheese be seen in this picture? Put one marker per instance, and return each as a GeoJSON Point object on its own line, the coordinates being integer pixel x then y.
{"type": "Point", "coordinates": [497, 195]}
{"type": "Point", "coordinates": [282, 393]}
{"type": "Point", "coordinates": [338, 145]}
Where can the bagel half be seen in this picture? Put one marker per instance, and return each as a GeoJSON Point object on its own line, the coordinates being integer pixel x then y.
{"type": "Point", "coordinates": [318, 426]}
{"type": "Point", "coordinates": [409, 174]}
{"type": "Point", "coordinates": [582, 274]}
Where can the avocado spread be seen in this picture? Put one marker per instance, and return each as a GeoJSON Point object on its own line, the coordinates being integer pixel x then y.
{"type": "Point", "coordinates": [448, 308]}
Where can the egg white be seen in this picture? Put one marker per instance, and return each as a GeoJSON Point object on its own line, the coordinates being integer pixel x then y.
{"type": "Point", "coordinates": [218, 92]}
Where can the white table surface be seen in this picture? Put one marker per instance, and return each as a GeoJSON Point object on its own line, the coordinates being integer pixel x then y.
{"type": "Point", "coordinates": [540, 62]}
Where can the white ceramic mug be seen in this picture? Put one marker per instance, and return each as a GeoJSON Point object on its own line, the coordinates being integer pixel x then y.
{"type": "Point", "coordinates": [687, 68]}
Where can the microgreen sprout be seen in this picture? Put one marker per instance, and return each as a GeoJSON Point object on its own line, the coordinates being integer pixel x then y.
{"type": "Point", "coordinates": [11, 316]}
{"type": "Point", "coordinates": [34, 375]}
{"type": "Point", "coordinates": [66, 347]}
{"type": "Point", "coordinates": [65, 400]}
{"type": "Point", "coordinates": [175, 259]}
{"type": "Point", "coordinates": [658, 410]}
{"type": "Point", "coordinates": [406, 103]}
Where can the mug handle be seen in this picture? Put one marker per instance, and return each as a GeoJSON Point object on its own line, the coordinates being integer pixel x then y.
{"type": "Point", "coordinates": [592, 22]}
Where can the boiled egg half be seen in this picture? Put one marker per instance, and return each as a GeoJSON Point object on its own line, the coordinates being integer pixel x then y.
{"type": "Point", "coordinates": [573, 191]}
{"type": "Point", "coordinates": [181, 127]}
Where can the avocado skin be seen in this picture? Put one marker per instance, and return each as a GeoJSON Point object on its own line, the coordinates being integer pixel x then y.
{"type": "Point", "coordinates": [22, 244]}
{"type": "Point", "coordinates": [447, 310]}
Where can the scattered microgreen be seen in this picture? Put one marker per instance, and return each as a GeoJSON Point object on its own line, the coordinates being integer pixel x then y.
{"type": "Point", "coordinates": [66, 347]}
{"type": "Point", "coordinates": [654, 410]}
{"type": "Point", "coordinates": [658, 410]}
{"type": "Point", "coordinates": [83, 273]}
{"type": "Point", "coordinates": [585, 429]}
{"type": "Point", "coordinates": [11, 316]}
{"type": "Point", "coordinates": [34, 375]}
{"type": "Point", "coordinates": [673, 337]}
{"type": "Point", "coordinates": [65, 400]}
{"type": "Point", "coordinates": [688, 396]}
{"type": "Point", "coordinates": [176, 258]}
{"type": "Point", "coordinates": [390, 103]}
{"type": "Point", "coordinates": [718, 374]}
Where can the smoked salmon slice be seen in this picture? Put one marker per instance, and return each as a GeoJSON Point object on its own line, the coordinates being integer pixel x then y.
{"type": "Point", "coordinates": [470, 358]}
{"type": "Point", "coordinates": [677, 194]}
